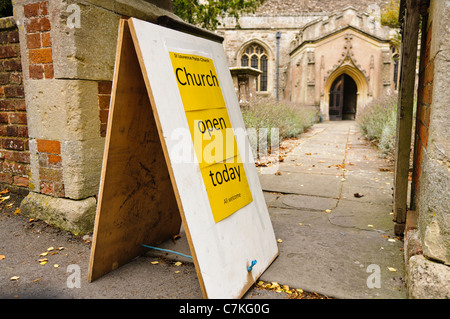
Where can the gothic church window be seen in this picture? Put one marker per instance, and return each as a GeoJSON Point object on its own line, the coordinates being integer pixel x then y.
{"type": "Point", "coordinates": [257, 57]}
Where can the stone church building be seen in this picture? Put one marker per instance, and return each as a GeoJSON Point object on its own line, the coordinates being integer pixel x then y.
{"type": "Point", "coordinates": [334, 56]}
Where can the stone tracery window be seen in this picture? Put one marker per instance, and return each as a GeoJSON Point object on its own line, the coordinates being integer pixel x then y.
{"type": "Point", "coordinates": [257, 56]}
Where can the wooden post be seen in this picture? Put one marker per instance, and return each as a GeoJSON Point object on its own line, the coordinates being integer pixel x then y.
{"type": "Point", "coordinates": [410, 33]}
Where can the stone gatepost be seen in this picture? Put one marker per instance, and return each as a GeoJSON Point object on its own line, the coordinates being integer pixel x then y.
{"type": "Point", "coordinates": [68, 52]}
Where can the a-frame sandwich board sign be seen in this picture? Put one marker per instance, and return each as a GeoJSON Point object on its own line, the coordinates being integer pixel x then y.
{"type": "Point", "coordinates": [175, 152]}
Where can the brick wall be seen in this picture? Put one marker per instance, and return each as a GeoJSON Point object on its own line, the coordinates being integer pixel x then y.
{"type": "Point", "coordinates": [104, 97]}
{"type": "Point", "coordinates": [14, 151]}
{"type": "Point", "coordinates": [424, 101]}
{"type": "Point", "coordinates": [37, 28]}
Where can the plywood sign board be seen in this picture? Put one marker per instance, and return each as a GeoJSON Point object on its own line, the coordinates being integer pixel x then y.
{"type": "Point", "coordinates": [176, 151]}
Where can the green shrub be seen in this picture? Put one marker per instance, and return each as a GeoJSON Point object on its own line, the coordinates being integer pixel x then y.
{"type": "Point", "coordinates": [377, 122]}
{"type": "Point", "coordinates": [289, 118]}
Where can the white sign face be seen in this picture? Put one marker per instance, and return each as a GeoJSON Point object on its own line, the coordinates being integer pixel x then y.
{"type": "Point", "coordinates": [222, 204]}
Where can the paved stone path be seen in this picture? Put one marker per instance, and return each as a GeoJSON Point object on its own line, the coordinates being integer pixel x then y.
{"type": "Point", "coordinates": [333, 241]}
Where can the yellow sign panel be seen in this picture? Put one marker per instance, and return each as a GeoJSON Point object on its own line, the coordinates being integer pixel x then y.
{"type": "Point", "coordinates": [211, 131]}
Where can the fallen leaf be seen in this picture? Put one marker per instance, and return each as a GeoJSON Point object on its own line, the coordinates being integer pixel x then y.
{"type": "Point", "coordinates": [37, 279]}
{"type": "Point", "coordinates": [2, 257]}
{"type": "Point", "coordinates": [56, 265]}
{"type": "Point", "coordinates": [42, 262]}
{"type": "Point", "coordinates": [177, 272]}
{"type": "Point", "coordinates": [176, 237]}
{"type": "Point", "coordinates": [44, 254]}
{"type": "Point", "coordinates": [5, 191]}
{"type": "Point", "coordinates": [391, 240]}
{"type": "Point", "coordinates": [371, 226]}
{"type": "Point", "coordinates": [178, 263]}
{"type": "Point", "coordinates": [155, 262]}
{"type": "Point", "coordinates": [392, 269]}
{"type": "Point", "coordinates": [278, 173]}
{"type": "Point", "coordinates": [328, 211]}
{"type": "Point", "coordinates": [301, 224]}
{"type": "Point", "coordinates": [2, 199]}
{"type": "Point", "coordinates": [9, 205]}
{"type": "Point", "coordinates": [307, 153]}
{"type": "Point", "coordinates": [50, 248]}
{"type": "Point", "coordinates": [279, 240]}
{"type": "Point", "coordinates": [13, 278]}
{"type": "Point", "coordinates": [17, 211]}
{"type": "Point", "coordinates": [275, 284]}
{"type": "Point", "coordinates": [31, 220]}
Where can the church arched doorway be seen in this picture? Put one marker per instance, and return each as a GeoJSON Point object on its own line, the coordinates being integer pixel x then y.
{"type": "Point", "coordinates": [343, 98]}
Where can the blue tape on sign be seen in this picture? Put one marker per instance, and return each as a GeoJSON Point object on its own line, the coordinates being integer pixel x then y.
{"type": "Point", "coordinates": [166, 250]}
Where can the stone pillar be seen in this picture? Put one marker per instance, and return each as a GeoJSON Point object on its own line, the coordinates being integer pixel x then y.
{"type": "Point", "coordinates": [68, 53]}
{"type": "Point", "coordinates": [427, 243]}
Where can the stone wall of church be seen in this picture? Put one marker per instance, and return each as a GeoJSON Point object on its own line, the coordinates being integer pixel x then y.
{"type": "Point", "coordinates": [313, 48]}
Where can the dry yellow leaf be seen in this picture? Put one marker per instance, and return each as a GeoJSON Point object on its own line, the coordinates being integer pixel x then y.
{"type": "Point", "coordinates": [328, 211]}
{"type": "Point", "coordinates": [279, 240]}
{"type": "Point", "coordinates": [14, 278]}
{"type": "Point", "coordinates": [44, 254]}
{"type": "Point", "coordinates": [177, 272]}
{"type": "Point", "coordinates": [56, 265]}
{"type": "Point", "coordinates": [42, 262]}
{"type": "Point", "coordinates": [17, 211]}
{"type": "Point", "coordinates": [37, 279]}
{"type": "Point", "coordinates": [371, 226]}
{"type": "Point", "coordinates": [178, 263]}
{"type": "Point", "coordinates": [50, 248]}
{"type": "Point", "coordinates": [2, 257]}
{"type": "Point", "coordinates": [392, 269]}
{"type": "Point", "coordinates": [154, 262]}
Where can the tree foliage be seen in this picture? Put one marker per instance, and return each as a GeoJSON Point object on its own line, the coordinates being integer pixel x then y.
{"type": "Point", "coordinates": [206, 14]}
{"type": "Point", "coordinates": [389, 15]}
